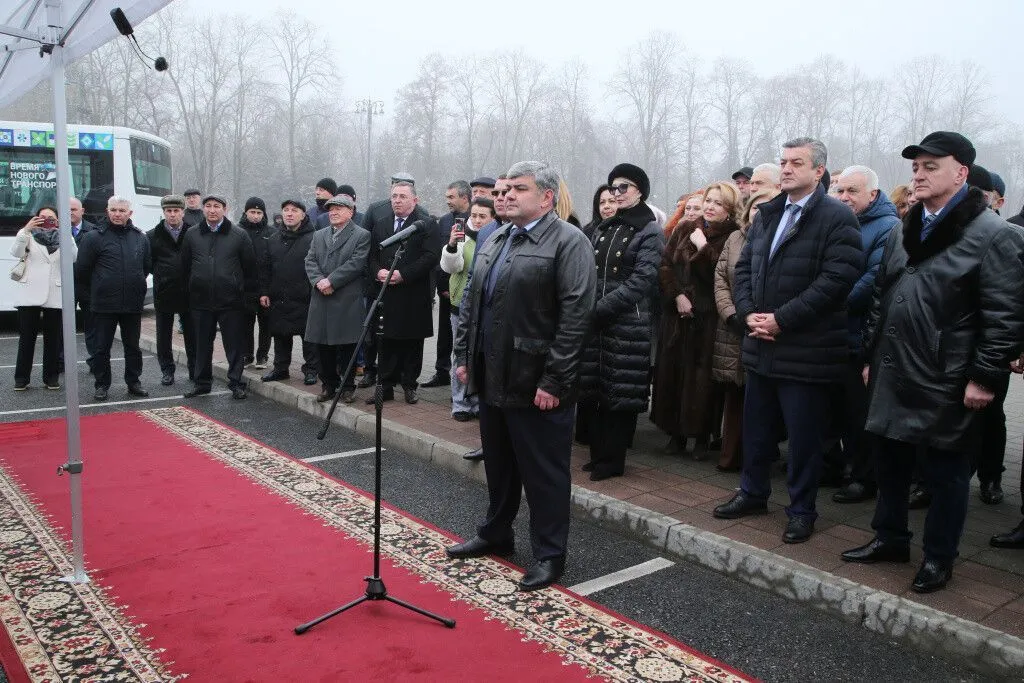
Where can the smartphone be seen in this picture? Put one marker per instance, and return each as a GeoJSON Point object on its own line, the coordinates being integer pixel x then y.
{"type": "Point", "coordinates": [49, 223]}
{"type": "Point", "coordinates": [460, 224]}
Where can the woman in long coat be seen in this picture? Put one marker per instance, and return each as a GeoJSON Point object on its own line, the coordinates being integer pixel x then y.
{"type": "Point", "coordinates": [687, 402]}
{"type": "Point", "coordinates": [336, 268]}
{"type": "Point", "coordinates": [727, 368]}
{"type": "Point", "coordinates": [616, 360]}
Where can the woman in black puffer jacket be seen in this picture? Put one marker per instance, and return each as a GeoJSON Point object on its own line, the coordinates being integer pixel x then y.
{"type": "Point", "coordinates": [616, 361]}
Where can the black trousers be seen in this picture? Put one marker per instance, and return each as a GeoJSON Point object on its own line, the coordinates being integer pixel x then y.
{"type": "Point", "coordinates": [131, 327]}
{"type": "Point", "coordinates": [443, 364]}
{"type": "Point", "coordinates": [527, 448]}
{"type": "Point", "coordinates": [333, 361]}
{"type": "Point", "coordinates": [610, 433]}
{"type": "Point", "coordinates": [947, 477]}
{"type": "Point", "coordinates": [401, 361]}
{"type": "Point", "coordinates": [283, 354]}
{"type": "Point", "coordinates": [990, 428]}
{"type": "Point", "coordinates": [232, 336]}
{"type": "Point", "coordinates": [31, 321]}
{"type": "Point", "coordinates": [258, 348]}
{"type": "Point", "coordinates": [89, 332]}
{"type": "Point", "coordinates": [164, 335]}
{"type": "Point", "coordinates": [370, 344]}
{"type": "Point", "coordinates": [852, 413]}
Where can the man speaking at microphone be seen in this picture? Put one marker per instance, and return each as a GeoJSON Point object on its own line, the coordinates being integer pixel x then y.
{"type": "Point", "coordinates": [408, 300]}
{"type": "Point", "coordinates": [521, 329]}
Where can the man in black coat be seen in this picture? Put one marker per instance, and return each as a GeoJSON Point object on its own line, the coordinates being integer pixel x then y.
{"type": "Point", "coordinates": [802, 258]}
{"type": "Point", "coordinates": [945, 324]}
{"type": "Point", "coordinates": [114, 260]}
{"type": "Point", "coordinates": [254, 222]}
{"type": "Point", "coordinates": [193, 207]}
{"type": "Point", "coordinates": [285, 292]}
{"type": "Point", "coordinates": [408, 318]}
{"type": "Point", "coordinates": [222, 280]}
{"type": "Point", "coordinates": [165, 242]}
{"type": "Point", "coordinates": [519, 341]}
{"type": "Point", "coordinates": [79, 227]}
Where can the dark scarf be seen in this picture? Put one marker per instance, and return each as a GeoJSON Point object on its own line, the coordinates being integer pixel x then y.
{"type": "Point", "coordinates": [947, 229]}
{"type": "Point", "coordinates": [48, 238]}
{"type": "Point", "coordinates": [636, 217]}
{"type": "Point", "coordinates": [251, 227]}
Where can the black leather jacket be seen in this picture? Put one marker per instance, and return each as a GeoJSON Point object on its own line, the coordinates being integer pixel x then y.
{"type": "Point", "coordinates": [541, 309]}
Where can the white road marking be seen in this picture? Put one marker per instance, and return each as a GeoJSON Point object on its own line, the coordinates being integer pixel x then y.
{"type": "Point", "coordinates": [100, 404]}
{"type": "Point", "coordinates": [39, 365]}
{"type": "Point", "coordinates": [343, 454]}
{"type": "Point", "coordinates": [621, 576]}
{"type": "Point", "coordinates": [18, 337]}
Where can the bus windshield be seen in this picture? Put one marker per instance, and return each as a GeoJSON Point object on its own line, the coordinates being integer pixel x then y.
{"type": "Point", "coordinates": [151, 163]}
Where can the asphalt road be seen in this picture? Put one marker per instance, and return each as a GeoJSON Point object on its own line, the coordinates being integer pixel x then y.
{"type": "Point", "coordinates": [761, 634]}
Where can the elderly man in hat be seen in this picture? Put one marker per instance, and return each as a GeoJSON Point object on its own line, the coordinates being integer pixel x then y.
{"type": "Point", "coordinates": [741, 179]}
{"type": "Point", "coordinates": [350, 192]}
{"type": "Point", "coordinates": [335, 267]}
{"type": "Point", "coordinates": [193, 207]}
{"type": "Point", "coordinates": [165, 241]}
{"type": "Point", "coordinates": [221, 276]}
{"type": "Point", "coordinates": [324, 190]}
{"type": "Point", "coordinates": [480, 188]}
{"type": "Point", "coordinates": [285, 291]}
{"type": "Point", "coordinates": [945, 324]}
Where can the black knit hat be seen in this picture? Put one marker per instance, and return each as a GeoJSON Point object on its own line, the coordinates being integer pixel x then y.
{"type": "Point", "coordinates": [329, 185]}
{"type": "Point", "coordinates": [980, 178]}
{"type": "Point", "coordinates": [255, 203]}
{"type": "Point", "coordinates": [294, 202]}
{"type": "Point", "coordinates": [634, 174]}
{"type": "Point", "coordinates": [346, 189]}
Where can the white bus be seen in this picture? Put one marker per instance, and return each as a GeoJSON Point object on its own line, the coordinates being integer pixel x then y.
{"type": "Point", "coordinates": [105, 160]}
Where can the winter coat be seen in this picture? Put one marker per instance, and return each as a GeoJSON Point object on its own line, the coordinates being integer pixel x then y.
{"type": "Point", "coordinates": [876, 221]}
{"type": "Point", "coordinates": [337, 318]}
{"type": "Point", "coordinates": [805, 284]}
{"type": "Point", "coordinates": [541, 307]}
{"type": "Point", "coordinates": [41, 285]}
{"type": "Point", "coordinates": [168, 274]}
{"type": "Point", "coordinates": [616, 360]}
{"type": "Point", "coordinates": [259, 234]}
{"type": "Point", "coordinates": [82, 291]}
{"type": "Point", "coordinates": [408, 306]}
{"type": "Point", "coordinates": [726, 365]}
{"type": "Point", "coordinates": [1018, 219]}
{"type": "Point", "coordinates": [194, 216]}
{"type": "Point", "coordinates": [945, 312]}
{"type": "Point", "coordinates": [456, 265]}
{"type": "Point", "coordinates": [114, 261]}
{"type": "Point", "coordinates": [221, 272]}
{"type": "Point", "coordinates": [285, 281]}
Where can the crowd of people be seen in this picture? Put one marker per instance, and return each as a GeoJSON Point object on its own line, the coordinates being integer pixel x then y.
{"type": "Point", "coordinates": [873, 334]}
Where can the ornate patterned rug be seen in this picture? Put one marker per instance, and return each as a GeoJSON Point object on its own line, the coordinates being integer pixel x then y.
{"type": "Point", "coordinates": [70, 632]}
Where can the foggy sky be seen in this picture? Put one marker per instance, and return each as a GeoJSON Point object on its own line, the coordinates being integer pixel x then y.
{"type": "Point", "coordinates": [379, 44]}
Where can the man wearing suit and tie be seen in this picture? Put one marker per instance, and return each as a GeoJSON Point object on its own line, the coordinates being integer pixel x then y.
{"type": "Point", "coordinates": [408, 301]}
{"type": "Point", "coordinates": [521, 331]}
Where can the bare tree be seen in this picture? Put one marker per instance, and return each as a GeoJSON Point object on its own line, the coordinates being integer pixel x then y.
{"type": "Point", "coordinates": [515, 84]}
{"type": "Point", "coordinates": [422, 110]}
{"type": "Point", "coordinates": [731, 82]}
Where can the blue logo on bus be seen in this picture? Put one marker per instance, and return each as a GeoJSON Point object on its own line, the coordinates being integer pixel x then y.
{"type": "Point", "coordinates": [6, 137]}
{"type": "Point", "coordinates": [103, 141]}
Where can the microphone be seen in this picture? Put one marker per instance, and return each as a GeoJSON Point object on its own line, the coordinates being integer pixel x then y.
{"type": "Point", "coordinates": [124, 27]}
{"type": "Point", "coordinates": [403, 234]}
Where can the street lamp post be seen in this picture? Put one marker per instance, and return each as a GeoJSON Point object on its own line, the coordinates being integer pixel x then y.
{"type": "Point", "coordinates": [370, 107]}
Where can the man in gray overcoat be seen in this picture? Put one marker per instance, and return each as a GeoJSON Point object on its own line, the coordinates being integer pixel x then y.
{"type": "Point", "coordinates": [336, 267]}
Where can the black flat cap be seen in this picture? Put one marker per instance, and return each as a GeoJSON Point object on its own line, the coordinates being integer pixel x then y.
{"type": "Point", "coordinates": [943, 143]}
{"type": "Point", "coordinates": [747, 172]}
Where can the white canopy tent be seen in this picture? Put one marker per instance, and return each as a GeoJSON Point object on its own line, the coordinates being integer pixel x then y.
{"type": "Point", "coordinates": [37, 39]}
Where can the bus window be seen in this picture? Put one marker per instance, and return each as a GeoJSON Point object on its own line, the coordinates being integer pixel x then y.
{"type": "Point", "coordinates": [151, 164]}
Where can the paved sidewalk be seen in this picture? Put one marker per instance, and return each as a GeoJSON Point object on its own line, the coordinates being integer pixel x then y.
{"type": "Point", "coordinates": [988, 585]}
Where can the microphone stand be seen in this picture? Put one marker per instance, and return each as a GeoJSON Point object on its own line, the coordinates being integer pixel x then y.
{"type": "Point", "coordinates": [375, 589]}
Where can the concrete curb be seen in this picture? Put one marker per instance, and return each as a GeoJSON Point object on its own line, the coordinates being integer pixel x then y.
{"type": "Point", "coordinates": [986, 650]}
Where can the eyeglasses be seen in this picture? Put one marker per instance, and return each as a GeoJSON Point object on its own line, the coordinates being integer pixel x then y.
{"type": "Point", "coordinates": [621, 188]}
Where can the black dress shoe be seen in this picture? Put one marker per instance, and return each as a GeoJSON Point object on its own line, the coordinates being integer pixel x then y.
{"type": "Point", "coordinates": [369, 379]}
{"type": "Point", "coordinates": [168, 379]}
{"type": "Point", "coordinates": [1011, 539]}
{"type": "Point", "coordinates": [239, 393]}
{"type": "Point", "coordinates": [411, 397]}
{"type": "Point", "coordinates": [100, 394]}
{"type": "Point", "coordinates": [741, 505]}
{"type": "Point", "coordinates": [877, 551]}
{"type": "Point", "coordinates": [477, 454]}
{"type": "Point", "coordinates": [919, 499]}
{"type": "Point", "coordinates": [309, 379]}
{"type": "Point", "coordinates": [196, 391]}
{"type": "Point", "coordinates": [388, 395]}
{"type": "Point", "coordinates": [854, 492]}
{"type": "Point", "coordinates": [137, 390]}
{"type": "Point", "coordinates": [542, 574]}
{"type": "Point", "coordinates": [991, 493]}
{"type": "Point", "coordinates": [798, 530]}
{"type": "Point", "coordinates": [478, 547]}
{"type": "Point", "coordinates": [462, 416]}
{"type": "Point", "coordinates": [275, 376]}
{"type": "Point", "coordinates": [932, 576]}
{"type": "Point", "coordinates": [437, 381]}
{"type": "Point", "coordinates": [326, 395]}
{"type": "Point", "coordinates": [596, 475]}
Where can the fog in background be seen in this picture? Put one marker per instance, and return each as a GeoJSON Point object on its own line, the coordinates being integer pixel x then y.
{"type": "Point", "coordinates": [265, 98]}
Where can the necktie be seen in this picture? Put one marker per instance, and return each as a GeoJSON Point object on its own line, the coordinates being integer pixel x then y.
{"type": "Point", "coordinates": [398, 223]}
{"type": "Point", "coordinates": [787, 223]}
{"type": "Point", "coordinates": [926, 226]}
{"type": "Point", "coordinates": [499, 263]}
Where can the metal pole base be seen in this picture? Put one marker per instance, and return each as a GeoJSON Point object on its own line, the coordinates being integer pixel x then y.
{"type": "Point", "coordinates": [82, 578]}
{"type": "Point", "coordinates": [375, 590]}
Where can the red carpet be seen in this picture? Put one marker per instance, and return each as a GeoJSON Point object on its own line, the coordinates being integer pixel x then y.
{"type": "Point", "coordinates": [206, 549]}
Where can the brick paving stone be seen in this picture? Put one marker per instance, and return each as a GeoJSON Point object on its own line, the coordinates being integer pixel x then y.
{"type": "Point", "coordinates": [891, 578]}
{"type": "Point", "coordinates": [950, 601]}
{"type": "Point", "coordinates": [1007, 621]}
{"type": "Point", "coordinates": [755, 537]}
{"type": "Point", "coordinates": [851, 535]}
{"type": "Point", "coordinates": [655, 502]}
{"type": "Point", "coordinates": [981, 591]}
{"type": "Point", "coordinates": [683, 496]}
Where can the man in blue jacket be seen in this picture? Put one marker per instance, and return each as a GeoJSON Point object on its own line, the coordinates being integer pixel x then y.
{"type": "Point", "coordinates": [858, 189]}
{"type": "Point", "coordinates": [802, 258]}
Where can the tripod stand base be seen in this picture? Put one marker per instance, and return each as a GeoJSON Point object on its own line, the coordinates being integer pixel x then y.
{"type": "Point", "coordinates": [375, 590]}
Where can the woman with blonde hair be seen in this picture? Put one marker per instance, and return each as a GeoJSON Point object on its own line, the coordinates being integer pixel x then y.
{"type": "Point", "coordinates": [726, 366]}
{"type": "Point", "coordinates": [563, 205]}
{"type": "Point", "coordinates": [686, 400]}
{"type": "Point", "coordinates": [901, 197]}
